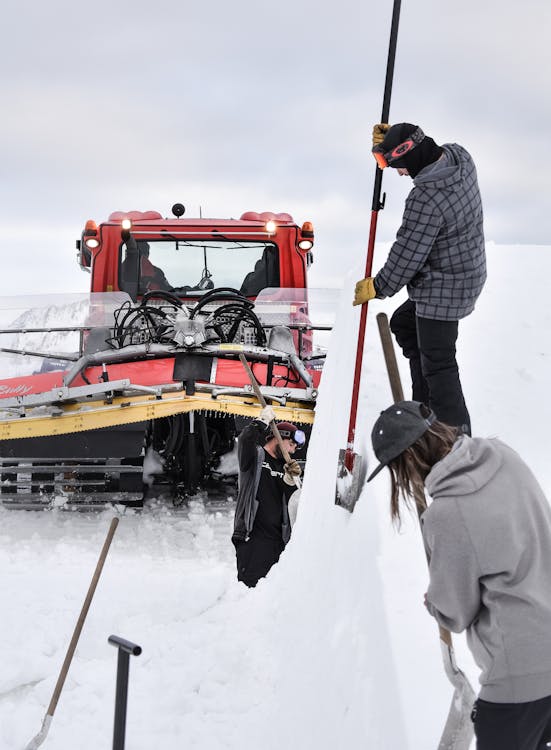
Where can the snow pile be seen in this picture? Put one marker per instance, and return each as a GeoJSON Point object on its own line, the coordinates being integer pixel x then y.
{"type": "Point", "coordinates": [334, 649]}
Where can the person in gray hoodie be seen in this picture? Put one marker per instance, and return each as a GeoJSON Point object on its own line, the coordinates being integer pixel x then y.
{"type": "Point", "coordinates": [487, 532]}
{"type": "Point", "coordinates": [439, 254]}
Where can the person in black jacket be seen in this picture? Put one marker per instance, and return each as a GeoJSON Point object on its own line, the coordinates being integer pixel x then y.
{"type": "Point", "coordinates": [266, 483]}
{"type": "Point", "coordinates": [439, 254]}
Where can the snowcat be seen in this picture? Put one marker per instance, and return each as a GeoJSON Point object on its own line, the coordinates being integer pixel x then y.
{"type": "Point", "coordinates": [139, 385]}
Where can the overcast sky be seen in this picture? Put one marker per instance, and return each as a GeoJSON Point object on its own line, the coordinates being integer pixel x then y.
{"type": "Point", "coordinates": [255, 106]}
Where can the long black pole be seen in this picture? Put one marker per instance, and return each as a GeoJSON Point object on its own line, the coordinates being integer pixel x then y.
{"type": "Point", "coordinates": [376, 206]}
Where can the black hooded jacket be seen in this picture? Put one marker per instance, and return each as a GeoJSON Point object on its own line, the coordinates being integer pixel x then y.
{"type": "Point", "coordinates": [253, 461]}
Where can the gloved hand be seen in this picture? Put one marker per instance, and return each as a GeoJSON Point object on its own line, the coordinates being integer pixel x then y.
{"type": "Point", "coordinates": [379, 132]}
{"type": "Point", "coordinates": [266, 415]}
{"type": "Point", "coordinates": [364, 291]}
{"type": "Point", "coordinates": [292, 471]}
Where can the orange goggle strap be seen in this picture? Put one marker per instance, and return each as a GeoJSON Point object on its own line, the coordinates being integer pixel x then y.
{"type": "Point", "coordinates": [385, 158]}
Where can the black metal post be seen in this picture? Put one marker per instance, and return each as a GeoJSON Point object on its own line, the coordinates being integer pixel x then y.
{"type": "Point", "coordinates": [126, 648]}
{"type": "Point", "coordinates": [377, 204]}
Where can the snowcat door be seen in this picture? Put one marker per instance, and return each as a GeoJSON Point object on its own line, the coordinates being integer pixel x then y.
{"type": "Point", "coordinates": [130, 269]}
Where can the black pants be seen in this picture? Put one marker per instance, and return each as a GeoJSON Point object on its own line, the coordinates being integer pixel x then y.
{"type": "Point", "coordinates": [256, 557]}
{"type": "Point", "coordinates": [512, 726]}
{"type": "Point", "coordinates": [429, 345]}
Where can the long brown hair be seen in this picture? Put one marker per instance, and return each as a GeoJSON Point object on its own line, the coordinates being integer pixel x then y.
{"type": "Point", "coordinates": [409, 470]}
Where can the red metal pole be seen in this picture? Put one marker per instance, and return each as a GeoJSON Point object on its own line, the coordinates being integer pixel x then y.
{"type": "Point", "coordinates": [376, 206]}
{"type": "Point", "coordinates": [349, 455]}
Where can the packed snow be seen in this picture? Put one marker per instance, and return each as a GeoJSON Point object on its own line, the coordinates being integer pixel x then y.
{"type": "Point", "coordinates": [334, 649]}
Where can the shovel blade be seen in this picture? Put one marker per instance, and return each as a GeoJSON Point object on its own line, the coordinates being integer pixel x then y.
{"type": "Point", "coordinates": [38, 739]}
{"type": "Point", "coordinates": [458, 730]}
{"type": "Point", "coordinates": [351, 473]}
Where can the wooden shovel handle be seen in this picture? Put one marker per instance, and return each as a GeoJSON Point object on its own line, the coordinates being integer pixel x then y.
{"type": "Point", "coordinates": [80, 622]}
{"type": "Point", "coordinates": [390, 358]}
{"type": "Point", "coordinates": [398, 395]}
{"type": "Point", "coordinates": [445, 636]}
{"type": "Point", "coordinates": [260, 397]}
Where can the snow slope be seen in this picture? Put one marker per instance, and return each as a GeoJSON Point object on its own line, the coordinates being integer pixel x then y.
{"type": "Point", "coordinates": [334, 649]}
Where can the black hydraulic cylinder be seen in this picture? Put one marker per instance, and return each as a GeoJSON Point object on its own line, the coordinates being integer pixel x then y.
{"type": "Point", "coordinates": [126, 649]}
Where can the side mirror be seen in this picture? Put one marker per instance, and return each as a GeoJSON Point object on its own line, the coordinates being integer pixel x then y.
{"type": "Point", "coordinates": [84, 256]}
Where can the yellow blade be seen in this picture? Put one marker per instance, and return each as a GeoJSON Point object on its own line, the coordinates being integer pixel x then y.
{"type": "Point", "coordinates": [125, 410]}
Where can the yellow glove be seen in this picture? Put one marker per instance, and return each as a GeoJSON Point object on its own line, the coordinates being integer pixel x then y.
{"type": "Point", "coordinates": [365, 290]}
{"type": "Point", "coordinates": [379, 132]}
{"type": "Point", "coordinates": [292, 470]}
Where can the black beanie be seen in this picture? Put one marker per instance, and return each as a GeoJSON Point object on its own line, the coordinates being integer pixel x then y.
{"type": "Point", "coordinates": [419, 157]}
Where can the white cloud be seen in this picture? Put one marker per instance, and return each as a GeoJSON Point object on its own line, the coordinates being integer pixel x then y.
{"type": "Point", "coordinates": [249, 105]}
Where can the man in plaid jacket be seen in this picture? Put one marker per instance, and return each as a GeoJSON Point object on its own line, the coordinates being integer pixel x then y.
{"type": "Point", "coordinates": [439, 255]}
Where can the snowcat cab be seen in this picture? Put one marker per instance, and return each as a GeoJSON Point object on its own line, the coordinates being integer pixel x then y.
{"type": "Point", "coordinates": [196, 255]}
{"type": "Point", "coordinates": [152, 390]}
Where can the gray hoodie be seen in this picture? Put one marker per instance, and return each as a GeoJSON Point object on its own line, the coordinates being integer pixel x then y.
{"type": "Point", "coordinates": [488, 535]}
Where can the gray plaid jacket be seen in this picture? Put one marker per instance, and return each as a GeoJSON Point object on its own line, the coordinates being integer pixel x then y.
{"type": "Point", "coordinates": [439, 249]}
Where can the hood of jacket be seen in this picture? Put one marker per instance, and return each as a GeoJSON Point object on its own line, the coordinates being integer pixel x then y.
{"type": "Point", "coordinates": [447, 175]}
{"type": "Point", "coordinates": [469, 466]}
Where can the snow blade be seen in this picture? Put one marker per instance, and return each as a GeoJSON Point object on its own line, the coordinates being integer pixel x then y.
{"type": "Point", "coordinates": [351, 472]}
{"type": "Point", "coordinates": [38, 739]}
{"type": "Point", "coordinates": [458, 731]}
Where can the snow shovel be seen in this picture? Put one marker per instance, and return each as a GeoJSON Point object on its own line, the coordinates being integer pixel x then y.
{"type": "Point", "coordinates": [352, 467]}
{"type": "Point", "coordinates": [458, 730]}
{"type": "Point", "coordinates": [41, 736]}
{"type": "Point", "coordinates": [260, 397]}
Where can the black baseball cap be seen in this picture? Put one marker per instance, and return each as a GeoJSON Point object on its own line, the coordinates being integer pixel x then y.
{"type": "Point", "coordinates": [396, 429]}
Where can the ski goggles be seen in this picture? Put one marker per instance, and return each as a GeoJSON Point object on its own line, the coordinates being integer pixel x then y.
{"type": "Point", "coordinates": [297, 436]}
{"type": "Point", "coordinates": [386, 158]}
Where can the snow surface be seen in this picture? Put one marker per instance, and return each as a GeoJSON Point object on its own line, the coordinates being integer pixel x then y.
{"type": "Point", "coordinates": [334, 649]}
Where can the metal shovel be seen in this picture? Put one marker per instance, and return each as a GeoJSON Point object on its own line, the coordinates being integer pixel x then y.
{"type": "Point", "coordinates": [352, 467]}
{"type": "Point", "coordinates": [39, 738]}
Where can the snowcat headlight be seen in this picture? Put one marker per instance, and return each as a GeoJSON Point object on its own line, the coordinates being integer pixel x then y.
{"type": "Point", "coordinates": [90, 235]}
{"type": "Point", "coordinates": [271, 226]}
{"type": "Point", "coordinates": [307, 236]}
{"type": "Point", "coordinates": [126, 226]}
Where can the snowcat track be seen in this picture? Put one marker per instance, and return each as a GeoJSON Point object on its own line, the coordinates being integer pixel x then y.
{"type": "Point", "coordinates": [77, 484]}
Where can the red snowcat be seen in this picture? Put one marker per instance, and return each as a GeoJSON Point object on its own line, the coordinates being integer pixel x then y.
{"type": "Point", "coordinates": [138, 387]}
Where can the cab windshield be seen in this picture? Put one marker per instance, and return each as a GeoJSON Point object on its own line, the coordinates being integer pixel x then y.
{"type": "Point", "coordinates": [193, 267]}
